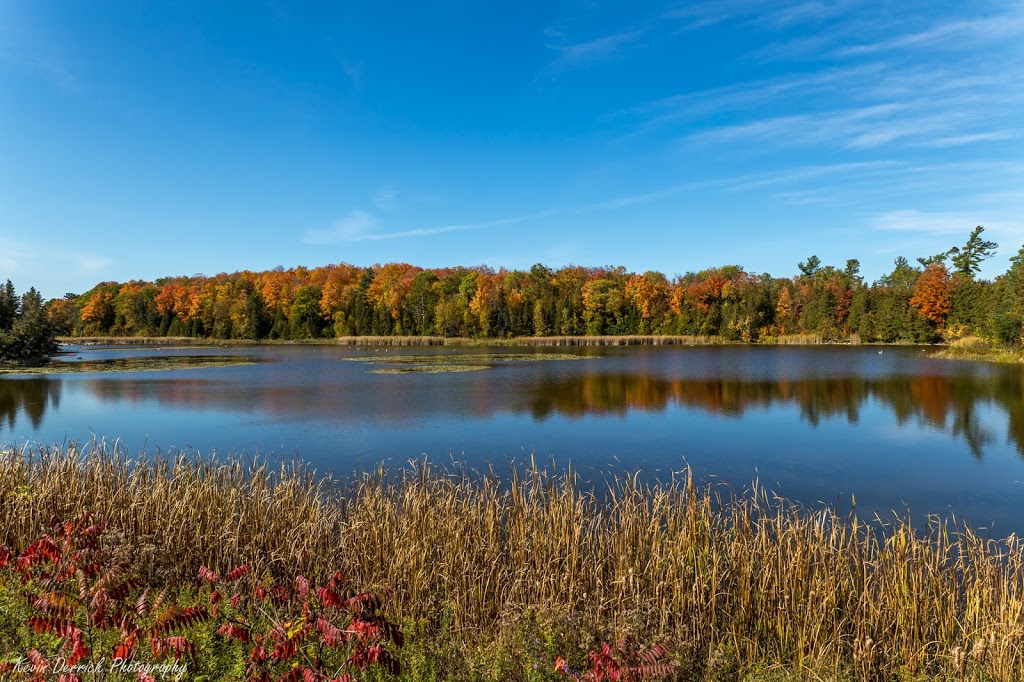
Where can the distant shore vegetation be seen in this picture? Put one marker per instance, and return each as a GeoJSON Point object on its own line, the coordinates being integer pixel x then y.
{"type": "Point", "coordinates": [938, 298]}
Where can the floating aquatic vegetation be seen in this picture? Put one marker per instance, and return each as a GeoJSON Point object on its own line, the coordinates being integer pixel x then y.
{"type": "Point", "coordinates": [137, 364]}
{"type": "Point", "coordinates": [482, 359]}
{"type": "Point", "coordinates": [429, 369]}
{"type": "Point", "coordinates": [439, 363]}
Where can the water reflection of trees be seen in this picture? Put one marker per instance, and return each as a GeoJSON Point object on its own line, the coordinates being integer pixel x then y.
{"type": "Point", "coordinates": [951, 404]}
{"type": "Point", "coordinates": [947, 403]}
{"type": "Point", "coordinates": [28, 397]}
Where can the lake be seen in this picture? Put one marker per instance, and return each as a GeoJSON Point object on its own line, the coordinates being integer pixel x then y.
{"type": "Point", "coordinates": [894, 428]}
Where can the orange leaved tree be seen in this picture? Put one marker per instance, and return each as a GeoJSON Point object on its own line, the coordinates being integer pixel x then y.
{"type": "Point", "coordinates": [933, 293]}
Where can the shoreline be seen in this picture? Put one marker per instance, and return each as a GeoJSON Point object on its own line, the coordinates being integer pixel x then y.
{"type": "Point", "coordinates": [519, 341]}
{"type": "Point", "coordinates": [964, 349]}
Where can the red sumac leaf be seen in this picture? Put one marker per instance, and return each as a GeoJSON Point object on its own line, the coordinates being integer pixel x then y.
{"type": "Point", "coordinates": [330, 634]}
{"type": "Point", "coordinates": [173, 646]}
{"type": "Point", "coordinates": [177, 617]}
{"type": "Point", "coordinates": [56, 626]}
{"type": "Point", "coordinates": [233, 631]}
{"type": "Point", "coordinates": [38, 661]}
{"type": "Point", "coordinates": [142, 603]}
{"type": "Point", "coordinates": [237, 573]}
{"type": "Point", "coordinates": [124, 650]}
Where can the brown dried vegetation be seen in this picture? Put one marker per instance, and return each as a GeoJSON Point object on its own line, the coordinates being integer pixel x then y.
{"type": "Point", "coordinates": [753, 576]}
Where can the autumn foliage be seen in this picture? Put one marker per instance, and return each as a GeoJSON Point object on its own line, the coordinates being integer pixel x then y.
{"type": "Point", "coordinates": [933, 293]}
{"type": "Point", "coordinates": [402, 299]}
{"type": "Point", "coordinates": [621, 663]}
{"type": "Point", "coordinates": [831, 303]}
{"type": "Point", "coordinates": [84, 607]}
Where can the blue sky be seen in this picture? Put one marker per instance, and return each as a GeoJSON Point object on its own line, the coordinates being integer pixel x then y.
{"type": "Point", "coordinates": [146, 139]}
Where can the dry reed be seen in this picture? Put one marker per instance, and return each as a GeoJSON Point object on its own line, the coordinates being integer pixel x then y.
{"type": "Point", "coordinates": [771, 582]}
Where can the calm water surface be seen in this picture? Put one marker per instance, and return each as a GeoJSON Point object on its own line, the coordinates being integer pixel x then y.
{"type": "Point", "coordinates": [816, 424]}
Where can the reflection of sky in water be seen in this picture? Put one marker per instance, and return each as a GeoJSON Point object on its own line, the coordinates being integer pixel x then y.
{"type": "Point", "coordinates": [815, 423]}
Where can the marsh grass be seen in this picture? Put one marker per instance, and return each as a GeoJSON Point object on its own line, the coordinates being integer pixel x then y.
{"type": "Point", "coordinates": [727, 581]}
{"type": "Point", "coordinates": [388, 341]}
{"type": "Point", "coordinates": [800, 340]}
{"type": "Point", "coordinates": [976, 348]}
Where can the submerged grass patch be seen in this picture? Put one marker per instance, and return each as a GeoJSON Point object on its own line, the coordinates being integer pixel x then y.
{"type": "Point", "coordinates": [140, 364]}
{"type": "Point", "coordinates": [440, 368]}
{"type": "Point", "coordinates": [461, 362]}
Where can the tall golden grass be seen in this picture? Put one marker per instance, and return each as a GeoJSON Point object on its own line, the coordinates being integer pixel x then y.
{"type": "Point", "coordinates": [976, 348]}
{"type": "Point", "coordinates": [755, 576]}
{"type": "Point", "coordinates": [800, 340]}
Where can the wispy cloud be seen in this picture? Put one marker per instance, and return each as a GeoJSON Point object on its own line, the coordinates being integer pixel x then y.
{"type": "Point", "coordinates": [807, 197]}
{"type": "Point", "coordinates": [590, 52]}
{"type": "Point", "coordinates": [942, 223]}
{"type": "Point", "coordinates": [921, 221]}
{"type": "Point", "coordinates": [645, 197]}
{"type": "Point", "coordinates": [386, 199]}
{"type": "Point", "coordinates": [959, 140]}
{"type": "Point", "coordinates": [355, 226]}
{"type": "Point", "coordinates": [694, 106]}
{"type": "Point", "coordinates": [428, 231]}
{"type": "Point", "coordinates": [832, 127]}
{"type": "Point", "coordinates": [28, 48]}
{"type": "Point", "coordinates": [958, 34]}
{"type": "Point", "coordinates": [91, 263]}
{"type": "Point", "coordinates": [886, 133]}
{"type": "Point", "coordinates": [940, 112]}
{"type": "Point", "coordinates": [776, 15]}
{"type": "Point", "coordinates": [18, 256]}
{"type": "Point", "coordinates": [12, 255]}
{"type": "Point", "coordinates": [359, 226]}
{"type": "Point", "coordinates": [741, 183]}
{"type": "Point", "coordinates": [783, 15]}
{"type": "Point", "coordinates": [866, 33]}
{"type": "Point", "coordinates": [883, 103]}
{"type": "Point", "coordinates": [805, 173]}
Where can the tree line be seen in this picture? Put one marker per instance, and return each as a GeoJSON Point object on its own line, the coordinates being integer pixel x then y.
{"type": "Point", "coordinates": [938, 297]}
